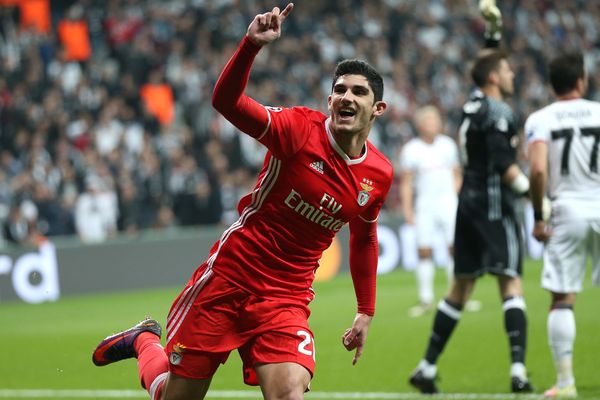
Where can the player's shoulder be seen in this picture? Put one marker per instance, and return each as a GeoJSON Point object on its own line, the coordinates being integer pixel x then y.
{"type": "Point", "coordinates": [379, 160]}
{"type": "Point", "coordinates": [540, 115]}
{"type": "Point", "coordinates": [412, 144]}
{"type": "Point", "coordinates": [585, 108]}
{"type": "Point", "coordinates": [476, 103]}
{"type": "Point", "coordinates": [500, 109]}
{"type": "Point", "coordinates": [303, 112]}
{"type": "Point", "coordinates": [445, 140]}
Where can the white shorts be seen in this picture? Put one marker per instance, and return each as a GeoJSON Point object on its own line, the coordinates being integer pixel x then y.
{"type": "Point", "coordinates": [431, 222]}
{"type": "Point", "coordinates": [566, 253]}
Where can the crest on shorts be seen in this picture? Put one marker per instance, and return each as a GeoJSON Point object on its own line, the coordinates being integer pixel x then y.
{"type": "Point", "coordinates": [177, 354]}
{"type": "Point", "coordinates": [364, 195]}
{"type": "Point", "coordinates": [175, 358]}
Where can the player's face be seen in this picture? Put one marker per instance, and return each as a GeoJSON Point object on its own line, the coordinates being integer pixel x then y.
{"type": "Point", "coordinates": [506, 78]}
{"type": "Point", "coordinates": [352, 104]}
{"type": "Point", "coordinates": [429, 125]}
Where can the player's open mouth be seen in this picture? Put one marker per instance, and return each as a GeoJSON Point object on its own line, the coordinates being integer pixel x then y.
{"type": "Point", "coordinates": [346, 114]}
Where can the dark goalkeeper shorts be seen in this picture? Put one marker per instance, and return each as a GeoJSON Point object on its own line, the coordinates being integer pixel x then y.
{"type": "Point", "coordinates": [483, 246]}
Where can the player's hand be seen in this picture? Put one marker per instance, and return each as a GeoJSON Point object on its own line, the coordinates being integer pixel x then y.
{"type": "Point", "coordinates": [489, 10]}
{"type": "Point", "coordinates": [492, 15]}
{"type": "Point", "coordinates": [356, 336]}
{"type": "Point", "coordinates": [266, 27]}
{"type": "Point", "coordinates": [541, 231]}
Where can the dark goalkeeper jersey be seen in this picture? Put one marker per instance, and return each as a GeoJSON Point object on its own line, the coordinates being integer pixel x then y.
{"type": "Point", "coordinates": [488, 140]}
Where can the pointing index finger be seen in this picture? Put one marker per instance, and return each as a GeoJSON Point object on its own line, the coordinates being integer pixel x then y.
{"type": "Point", "coordinates": [286, 11]}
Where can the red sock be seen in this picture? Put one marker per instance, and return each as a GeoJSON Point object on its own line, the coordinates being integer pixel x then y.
{"type": "Point", "coordinates": [153, 362]}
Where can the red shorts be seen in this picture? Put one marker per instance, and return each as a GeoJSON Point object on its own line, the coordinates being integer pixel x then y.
{"type": "Point", "coordinates": [211, 317]}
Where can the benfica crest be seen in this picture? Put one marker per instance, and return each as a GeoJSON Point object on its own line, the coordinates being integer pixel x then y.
{"type": "Point", "coordinates": [363, 195]}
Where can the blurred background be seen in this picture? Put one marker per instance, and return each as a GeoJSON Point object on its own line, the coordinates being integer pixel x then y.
{"type": "Point", "coordinates": [106, 126]}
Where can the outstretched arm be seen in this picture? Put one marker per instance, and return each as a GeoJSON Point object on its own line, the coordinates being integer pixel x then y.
{"type": "Point", "coordinates": [228, 97]}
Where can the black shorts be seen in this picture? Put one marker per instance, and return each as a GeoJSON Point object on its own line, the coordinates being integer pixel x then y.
{"type": "Point", "coordinates": [483, 246]}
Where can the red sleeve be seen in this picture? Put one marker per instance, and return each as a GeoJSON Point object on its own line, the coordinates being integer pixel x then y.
{"type": "Point", "coordinates": [229, 99]}
{"type": "Point", "coordinates": [363, 263]}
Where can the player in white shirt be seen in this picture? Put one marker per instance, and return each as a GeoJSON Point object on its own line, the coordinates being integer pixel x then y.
{"type": "Point", "coordinates": [429, 181]}
{"type": "Point", "coordinates": [564, 139]}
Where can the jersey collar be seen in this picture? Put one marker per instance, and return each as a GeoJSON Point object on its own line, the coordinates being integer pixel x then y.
{"type": "Point", "coordinates": [338, 149]}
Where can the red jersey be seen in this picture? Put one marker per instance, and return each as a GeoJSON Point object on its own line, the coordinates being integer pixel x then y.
{"type": "Point", "coordinates": [307, 190]}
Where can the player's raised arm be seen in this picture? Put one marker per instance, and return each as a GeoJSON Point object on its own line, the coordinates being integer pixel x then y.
{"type": "Point", "coordinates": [228, 96]}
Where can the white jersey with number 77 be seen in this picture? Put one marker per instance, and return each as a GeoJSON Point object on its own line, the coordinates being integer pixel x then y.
{"type": "Point", "coordinates": [571, 128]}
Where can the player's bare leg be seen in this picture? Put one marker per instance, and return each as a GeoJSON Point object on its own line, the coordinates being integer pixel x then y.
{"type": "Point", "coordinates": [515, 323]}
{"type": "Point", "coordinates": [179, 388]}
{"type": "Point", "coordinates": [471, 304]}
{"type": "Point", "coordinates": [283, 381]}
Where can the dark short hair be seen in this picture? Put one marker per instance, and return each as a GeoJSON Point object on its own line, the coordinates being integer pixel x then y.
{"type": "Point", "coordinates": [486, 62]}
{"type": "Point", "coordinates": [565, 70]}
{"type": "Point", "coordinates": [358, 67]}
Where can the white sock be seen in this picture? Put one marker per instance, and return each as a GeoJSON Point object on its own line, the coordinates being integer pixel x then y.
{"type": "Point", "coordinates": [429, 370]}
{"type": "Point", "coordinates": [425, 273]}
{"type": "Point", "coordinates": [518, 370]}
{"type": "Point", "coordinates": [561, 336]}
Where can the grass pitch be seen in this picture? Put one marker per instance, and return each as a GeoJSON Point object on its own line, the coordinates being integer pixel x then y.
{"type": "Point", "coordinates": [48, 346]}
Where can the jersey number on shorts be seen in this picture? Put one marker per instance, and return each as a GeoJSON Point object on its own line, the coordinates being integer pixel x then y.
{"type": "Point", "coordinates": [303, 346]}
{"type": "Point", "coordinates": [567, 134]}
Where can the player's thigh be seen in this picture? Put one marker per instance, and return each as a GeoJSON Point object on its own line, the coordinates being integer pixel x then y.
{"type": "Point", "coordinates": [467, 247]}
{"type": "Point", "coordinates": [180, 388]}
{"type": "Point", "coordinates": [503, 251]}
{"type": "Point", "coordinates": [447, 224]}
{"type": "Point", "coordinates": [285, 380]}
{"type": "Point", "coordinates": [293, 343]}
{"type": "Point", "coordinates": [425, 228]}
{"type": "Point", "coordinates": [565, 256]}
{"type": "Point", "coordinates": [447, 220]}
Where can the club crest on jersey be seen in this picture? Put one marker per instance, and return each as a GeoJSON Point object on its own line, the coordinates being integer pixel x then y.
{"type": "Point", "coordinates": [364, 195]}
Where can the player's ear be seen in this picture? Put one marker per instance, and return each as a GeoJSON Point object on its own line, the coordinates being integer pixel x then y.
{"type": "Point", "coordinates": [493, 78]}
{"type": "Point", "coordinates": [329, 102]}
{"type": "Point", "coordinates": [379, 108]}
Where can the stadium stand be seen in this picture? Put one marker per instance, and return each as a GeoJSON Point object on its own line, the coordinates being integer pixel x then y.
{"type": "Point", "coordinates": [125, 113]}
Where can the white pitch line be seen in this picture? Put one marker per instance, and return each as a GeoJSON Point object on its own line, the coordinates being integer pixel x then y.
{"type": "Point", "coordinates": [245, 394]}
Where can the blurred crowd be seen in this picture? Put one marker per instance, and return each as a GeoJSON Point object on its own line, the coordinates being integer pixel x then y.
{"type": "Point", "coordinates": [106, 124]}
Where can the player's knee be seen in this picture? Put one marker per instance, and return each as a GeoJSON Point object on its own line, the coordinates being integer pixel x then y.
{"type": "Point", "coordinates": [290, 387]}
{"type": "Point", "coordinates": [286, 389]}
{"type": "Point", "coordinates": [562, 300]}
{"type": "Point", "coordinates": [425, 252]}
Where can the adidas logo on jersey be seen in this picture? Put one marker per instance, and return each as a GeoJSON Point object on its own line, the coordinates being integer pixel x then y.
{"type": "Point", "coordinates": [317, 166]}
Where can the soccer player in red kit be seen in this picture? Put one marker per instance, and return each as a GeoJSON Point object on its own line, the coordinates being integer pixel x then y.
{"type": "Point", "coordinates": [253, 291]}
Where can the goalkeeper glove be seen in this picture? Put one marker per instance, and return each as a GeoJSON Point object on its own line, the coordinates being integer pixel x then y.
{"type": "Point", "coordinates": [493, 18]}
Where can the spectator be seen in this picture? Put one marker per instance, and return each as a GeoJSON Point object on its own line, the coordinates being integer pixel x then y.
{"type": "Point", "coordinates": [74, 35]}
{"type": "Point", "coordinates": [176, 49]}
{"type": "Point", "coordinates": [96, 211]}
